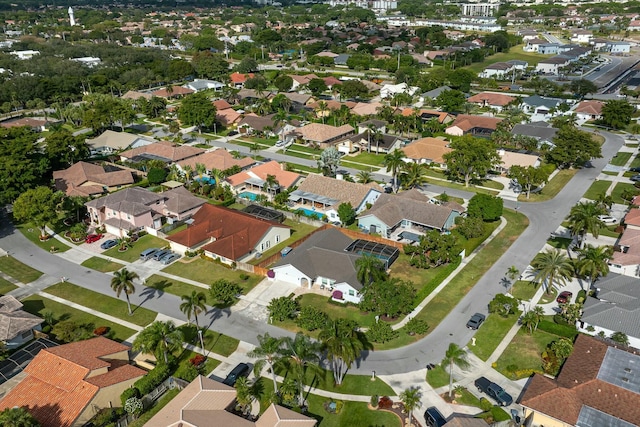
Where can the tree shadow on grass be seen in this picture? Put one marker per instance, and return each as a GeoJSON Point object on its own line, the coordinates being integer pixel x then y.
{"type": "Point", "coordinates": [155, 290]}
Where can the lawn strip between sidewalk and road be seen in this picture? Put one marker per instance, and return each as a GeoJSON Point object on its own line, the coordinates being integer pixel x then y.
{"type": "Point", "coordinates": [6, 286]}
{"type": "Point", "coordinates": [101, 264]}
{"type": "Point", "coordinates": [19, 271]}
{"type": "Point", "coordinates": [207, 272]}
{"type": "Point", "coordinates": [491, 334]}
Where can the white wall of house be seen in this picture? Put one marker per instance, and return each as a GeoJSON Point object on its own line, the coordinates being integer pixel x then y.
{"type": "Point", "coordinates": [370, 198]}
{"type": "Point", "coordinates": [454, 130]}
{"type": "Point", "coordinates": [274, 236]}
{"type": "Point", "coordinates": [582, 327]}
{"type": "Point", "coordinates": [544, 67]}
{"type": "Point", "coordinates": [289, 274]}
{"type": "Point", "coordinates": [349, 294]}
{"type": "Point", "coordinates": [627, 270]}
{"type": "Point", "coordinates": [367, 221]}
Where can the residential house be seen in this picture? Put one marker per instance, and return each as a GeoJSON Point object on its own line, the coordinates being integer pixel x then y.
{"type": "Point", "coordinates": [301, 80]}
{"type": "Point", "coordinates": [498, 71]}
{"type": "Point", "coordinates": [251, 181]}
{"type": "Point", "coordinates": [407, 215]}
{"type": "Point", "coordinates": [252, 95]}
{"type": "Point", "coordinates": [372, 124]}
{"type": "Point", "coordinates": [596, 387]}
{"type": "Point", "coordinates": [205, 400]}
{"type": "Point", "coordinates": [164, 151]}
{"type": "Point", "coordinates": [552, 65]}
{"type": "Point", "coordinates": [136, 208]}
{"type": "Point", "coordinates": [370, 141]}
{"type": "Point", "coordinates": [495, 101]}
{"type": "Point", "coordinates": [172, 92]}
{"type": "Point", "coordinates": [25, 54]}
{"type": "Point", "coordinates": [626, 258]}
{"type": "Point", "coordinates": [434, 93]}
{"type": "Point", "coordinates": [16, 325]}
{"type": "Point", "coordinates": [322, 135]}
{"type": "Point", "coordinates": [389, 90]}
{"type": "Point", "coordinates": [588, 110]}
{"type": "Point", "coordinates": [299, 101]}
{"type": "Point", "coordinates": [254, 124]}
{"type": "Point", "coordinates": [112, 142]}
{"type": "Point", "coordinates": [543, 132]}
{"type": "Point", "coordinates": [508, 159]}
{"type": "Point", "coordinates": [539, 107]}
{"type": "Point", "coordinates": [134, 95]}
{"type": "Point", "coordinates": [226, 115]}
{"type": "Point", "coordinates": [198, 85]}
{"type": "Point", "coordinates": [341, 60]}
{"type": "Point", "coordinates": [481, 126]}
{"type": "Point", "coordinates": [364, 109]}
{"type": "Point", "coordinates": [427, 151]}
{"type": "Point", "coordinates": [237, 80]}
{"type": "Point", "coordinates": [548, 48]}
{"type": "Point", "coordinates": [618, 47]}
{"type": "Point", "coordinates": [581, 36]}
{"type": "Point", "coordinates": [219, 159]}
{"type": "Point", "coordinates": [86, 179]}
{"type": "Point", "coordinates": [442, 116]}
{"type": "Point", "coordinates": [66, 385]}
{"type": "Point", "coordinates": [325, 194]}
{"type": "Point", "coordinates": [533, 45]}
{"type": "Point", "coordinates": [34, 123]}
{"type": "Point", "coordinates": [634, 25]}
{"type": "Point", "coordinates": [228, 235]}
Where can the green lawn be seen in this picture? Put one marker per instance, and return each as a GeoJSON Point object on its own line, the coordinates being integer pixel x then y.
{"type": "Point", "coordinates": [36, 304]}
{"type": "Point", "coordinates": [367, 158]}
{"type": "Point", "coordinates": [620, 188]}
{"type": "Point", "coordinates": [177, 229]}
{"type": "Point", "coordinates": [298, 231]}
{"type": "Point", "coordinates": [491, 333]}
{"type": "Point", "coordinates": [207, 272]}
{"type": "Point", "coordinates": [515, 52]}
{"type": "Point", "coordinates": [101, 264]}
{"type": "Point", "coordinates": [175, 287]}
{"type": "Point", "coordinates": [183, 363]}
{"type": "Point", "coordinates": [523, 354]}
{"type": "Point", "coordinates": [213, 341]}
{"type": "Point", "coordinates": [636, 160]}
{"type": "Point", "coordinates": [294, 167]}
{"type": "Point", "coordinates": [303, 149]}
{"type": "Point", "coordinates": [19, 271]}
{"type": "Point", "coordinates": [352, 414]}
{"type": "Point", "coordinates": [133, 253]}
{"type": "Point", "coordinates": [32, 233]}
{"type": "Point", "coordinates": [548, 297]}
{"type": "Point", "coordinates": [6, 286]}
{"type": "Point", "coordinates": [596, 189]}
{"type": "Point", "coordinates": [438, 377]}
{"type": "Point", "coordinates": [465, 397]}
{"type": "Point", "coordinates": [524, 290]}
{"type": "Point", "coordinates": [620, 159]}
{"type": "Point", "coordinates": [102, 303]}
{"type": "Point", "coordinates": [552, 188]}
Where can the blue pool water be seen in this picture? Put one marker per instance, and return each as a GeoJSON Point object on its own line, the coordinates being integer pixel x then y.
{"type": "Point", "coordinates": [309, 212]}
{"type": "Point", "coordinates": [206, 180]}
{"type": "Point", "coordinates": [248, 195]}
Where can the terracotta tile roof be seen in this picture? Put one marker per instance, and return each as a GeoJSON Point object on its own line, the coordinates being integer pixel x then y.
{"type": "Point", "coordinates": [228, 116]}
{"type": "Point", "coordinates": [427, 148]}
{"type": "Point", "coordinates": [117, 375]}
{"type": "Point", "coordinates": [632, 217]}
{"type": "Point", "coordinates": [236, 233]}
{"type": "Point", "coordinates": [468, 122]}
{"type": "Point", "coordinates": [321, 133]}
{"type": "Point", "coordinates": [331, 81]}
{"type": "Point", "coordinates": [132, 94]}
{"type": "Point", "coordinates": [25, 121]}
{"type": "Point", "coordinates": [490, 98]}
{"type": "Point", "coordinates": [303, 80]}
{"type": "Point", "coordinates": [164, 149]}
{"type": "Point", "coordinates": [71, 180]}
{"type": "Point", "coordinates": [589, 107]}
{"type": "Point", "coordinates": [219, 159]}
{"type": "Point", "coordinates": [88, 353]}
{"type": "Point", "coordinates": [631, 239]}
{"type": "Point", "coordinates": [221, 104]}
{"type": "Point", "coordinates": [177, 91]}
{"type": "Point", "coordinates": [240, 78]}
{"type": "Point", "coordinates": [337, 189]}
{"type": "Point", "coordinates": [285, 178]}
{"type": "Point", "coordinates": [366, 108]}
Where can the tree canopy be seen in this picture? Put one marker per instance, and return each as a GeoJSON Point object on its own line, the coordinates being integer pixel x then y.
{"type": "Point", "coordinates": [197, 110]}
{"type": "Point", "coordinates": [471, 158]}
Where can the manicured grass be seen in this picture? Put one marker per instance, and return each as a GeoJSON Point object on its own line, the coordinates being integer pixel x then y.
{"type": "Point", "coordinates": [552, 188]}
{"type": "Point", "coordinates": [160, 403]}
{"type": "Point", "coordinates": [19, 271]}
{"type": "Point", "coordinates": [298, 231]}
{"type": "Point", "coordinates": [443, 181]}
{"type": "Point", "coordinates": [303, 149]}
{"type": "Point", "coordinates": [610, 231]}
{"type": "Point", "coordinates": [359, 166]}
{"type": "Point", "coordinates": [636, 160]}
{"type": "Point", "coordinates": [213, 341]}
{"type": "Point", "coordinates": [438, 377]}
{"type": "Point", "coordinates": [32, 233]}
{"type": "Point", "coordinates": [183, 363]}
{"type": "Point", "coordinates": [133, 253]}
{"type": "Point", "coordinates": [465, 397]}
{"type": "Point", "coordinates": [177, 229]}
{"type": "Point", "coordinates": [491, 333]}
{"type": "Point", "coordinates": [36, 304]}
{"type": "Point", "coordinates": [336, 311]}
{"type": "Point", "coordinates": [523, 353]}
{"type": "Point", "coordinates": [596, 189]}
{"type": "Point", "coordinates": [548, 297]}
{"type": "Point", "coordinates": [620, 188]}
{"type": "Point", "coordinates": [175, 287]}
{"type": "Point", "coordinates": [101, 264]}
{"type": "Point", "coordinates": [524, 290]}
{"type": "Point", "coordinates": [102, 303]}
{"type": "Point", "coordinates": [620, 159]}
{"type": "Point", "coordinates": [352, 414]}
{"type": "Point", "coordinates": [294, 167]}
{"type": "Point", "coordinates": [559, 242]}
{"type": "Point", "coordinates": [207, 272]}
{"type": "Point", "coordinates": [6, 286]}
{"type": "Point", "coordinates": [515, 52]}
{"type": "Point", "coordinates": [367, 158]}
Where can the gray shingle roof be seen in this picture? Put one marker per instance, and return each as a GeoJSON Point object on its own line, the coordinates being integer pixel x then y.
{"type": "Point", "coordinates": [538, 132]}
{"type": "Point", "coordinates": [13, 320]}
{"type": "Point", "coordinates": [134, 201]}
{"type": "Point", "coordinates": [538, 101]}
{"type": "Point", "coordinates": [617, 307]}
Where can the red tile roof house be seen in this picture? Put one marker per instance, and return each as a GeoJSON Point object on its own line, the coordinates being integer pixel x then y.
{"type": "Point", "coordinates": [427, 151]}
{"type": "Point", "coordinates": [588, 110]}
{"type": "Point", "coordinates": [237, 80]}
{"type": "Point", "coordinates": [481, 126]}
{"type": "Point", "coordinates": [86, 180]}
{"type": "Point", "coordinates": [38, 125]}
{"type": "Point", "coordinates": [321, 135]}
{"type": "Point", "coordinates": [495, 101]}
{"type": "Point", "coordinates": [626, 258]}
{"type": "Point", "coordinates": [176, 92]}
{"type": "Point", "coordinates": [254, 179]}
{"type": "Point", "coordinates": [166, 151]}
{"type": "Point", "coordinates": [228, 235]}
{"type": "Point", "coordinates": [596, 387]}
{"type": "Point", "coordinates": [66, 385]}
{"type": "Point", "coordinates": [137, 208]}
{"type": "Point", "coordinates": [219, 159]}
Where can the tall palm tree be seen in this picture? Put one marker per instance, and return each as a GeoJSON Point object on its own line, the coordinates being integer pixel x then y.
{"type": "Point", "coordinates": [343, 344]}
{"type": "Point", "coordinates": [270, 352]}
{"type": "Point", "coordinates": [592, 262]}
{"type": "Point", "coordinates": [411, 397]}
{"type": "Point", "coordinates": [538, 313]}
{"type": "Point", "coordinates": [455, 356]}
{"type": "Point", "coordinates": [17, 417]}
{"type": "Point", "coordinates": [394, 162]}
{"type": "Point", "coordinates": [364, 177]}
{"type": "Point", "coordinates": [122, 281]}
{"type": "Point", "coordinates": [552, 267]}
{"type": "Point", "coordinates": [302, 355]}
{"type": "Point", "coordinates": [193, 304]}
{"type": "Point", "coordinates": [370, 269]}
{"type": "Point", "coordinates": [413, 175]}
{"type": "Point", "coordinates": [528, 320]}
{"type": "Point", "coordinates": [159, 338]}
{"type": "Point", "coordinates": [604, 200]}
{"type": "Point", "coordinates": [321, 110]}
{"type": "Point", "coordinates": [583, 219]}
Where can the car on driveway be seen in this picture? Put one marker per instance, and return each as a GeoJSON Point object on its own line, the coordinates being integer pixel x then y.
{"type": "Point", "coordinates": [635, 178]}
{"type": "Point", "coordinates": [498, 394]}
{"type": "Point", "coordinates": [169, 258]}
{"type": "Point", "coordinates": [475, 321]}
{"type": "Point", "coordinates": [434, 417]}
{"type": "Point", "coordinates": [634, 170]}
{"type": "Point", "coordinates": [241, 370]}
{"type": "Point", "coordinates": [564, 297]}
{"type": "Point", "coordinates": [107, 244]}
{"type": "Point", "coordinates": [92, 238]}
{"type": "Point", "coordinates": [607, 219]}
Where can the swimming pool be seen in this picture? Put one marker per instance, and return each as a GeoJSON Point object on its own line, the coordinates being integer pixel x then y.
{"type": "Point", "coordinates": [206, 180]}
{"type": "Point", "coordinates": [248, 195]}
{"type": "Point", "coordinates": [309, 212]}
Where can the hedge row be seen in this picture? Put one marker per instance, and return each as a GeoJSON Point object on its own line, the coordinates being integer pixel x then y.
{"type": "Point", "coordinates": [556, 329]}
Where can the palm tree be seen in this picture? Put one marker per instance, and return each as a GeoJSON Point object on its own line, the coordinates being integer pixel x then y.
{"type": "Point", "coordinates": [343, 344]}
{"type": "Point", "coordinates": [411, 397]}
{"type": "Point", "coordinates": [583, 219]}
{"type": "Point", "coordinates": [122, 281]}
{"type": "Point", "coordinates": [539, 313]}
{"type": "Point", "coordinates": [302, 354]}
{"type": "Point", "coordinates": [17, 417]}
{"type": "Point", "coordinates": [455, 356]}
{"type": "Point", "coordinates": [370, 269]}
{"type": "Point", "coordinates": [188, 173]}
{"type": "Point", "coordinates": [604, 200]}
{"type": "Point", "coordinates": [413, 175]}
{"type": "Point", "coordinates": [271, 184]}
{"type": "Point", "coordinates": [552, 267]}
{"type": "Point", "coordinates": [193, 304]}
{"type": "Point", "coordinates": [528, 320]}
{"type": "Point", "coordinates": [159, 338]}
{"type": "Point", "coordinates": [364, 177]}
{"type": "Point", "coordinates": [270, 352]}
{"type": "Point", "coordinates": [321, 110]}
{"type": "Point", "coordinates": [592, 262]}
{"type": "Point", "coordinates": [394, 162]}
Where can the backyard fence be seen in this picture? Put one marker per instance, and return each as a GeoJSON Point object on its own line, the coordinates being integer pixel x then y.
{"type": "Point", "coordinates": [149, 399]}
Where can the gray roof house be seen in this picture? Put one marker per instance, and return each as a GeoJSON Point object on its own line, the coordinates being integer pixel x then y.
{"type": "Point", "coordinates": [434, 93]}
{"type": "Point", "coordinates": [536, 104]}
{"type": "Point", "coordinates": [543, 134]}
{"type": "Point", "coordinates": [198, 85]}
{"type": "Point", "coordinates": [16, 325]}
{"type": "Point", "coordinates": [615, 308]}
{"type": "Point", "coordinates": [341, 59]}
{"type": "Point", "coordinates": [111, 141]}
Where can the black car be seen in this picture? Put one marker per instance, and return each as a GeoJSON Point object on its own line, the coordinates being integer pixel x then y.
{"type": "Point", "coordinates": [635, 178]}
{"type": "Point", "coordinates": [434, 418]}
{"type": "Point", "coordinates": [241, 370]}
{"type": "Point", "coordinates": [485, 385]}
{"type": "Point", "coordinates": [475, 321]}
{"type": "Point", "coordinates": [232, 133]}
{"type": "Point", "coordinates": [634, 170]}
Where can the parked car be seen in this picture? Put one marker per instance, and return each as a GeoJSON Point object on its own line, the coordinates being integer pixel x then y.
{"type": "Point", "coordinates": [148, 253]}
{"type": "Point", "coordinates": [107, 244]}
{"type": "Point", "coordinates": [475, 321]}
{"type": "Point", "coordinates": [161, 253]}
{"type": "Point", "coordinates": [168, 259]}
{"type": "Point", "coordinates": [498, 394]}
{"type": "Point", "coordinates": [607, 219]}
{"type": "Point", "coordinates": [434, 417]}
{"type": "Point", "coordinates": [634, 169]}
{"type": "Point", "coordinates": [92, 238]}
{"type": "Point", "coordinates": [241, 370]}
{"type": "Point", "coordinates": [564, 297]}
{"type": "Point", "coordinates": [635, 178]}
{"type": "Point", "coordinates": [232, 133]}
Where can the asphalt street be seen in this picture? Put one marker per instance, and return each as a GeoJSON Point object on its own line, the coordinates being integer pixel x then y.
{"type": "Point", "coordinates": [544, 218]}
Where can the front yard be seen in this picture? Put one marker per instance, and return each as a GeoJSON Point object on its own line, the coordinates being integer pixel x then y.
{"type": "Point", "coordinates": [101, 264]}
{"type": "Point", "coordinates": [32, 233]}
{"type": "Point", "coordinates": [133, 253]}
{"type": "Point", "coordinates": [553, 187]}
{"type": "Point", "coordinates": [524, 290]}
{"type": "Point", "coordinates": [491, 334]}
{"type": "Point", "coordinates": [207, 272]}
{"type": "Point", "coordinates": [19, 271]}
{"type": "Point", "coordinates": [523, 355]}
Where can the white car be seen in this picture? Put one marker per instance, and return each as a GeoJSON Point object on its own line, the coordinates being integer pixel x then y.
{"type": "Point", "coordinates": [607, 219]}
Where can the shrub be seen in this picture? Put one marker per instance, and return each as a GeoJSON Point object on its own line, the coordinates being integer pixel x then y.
{"type": "Point", "coordinates": [560, 320]}
{"type": "Point", "coordinates": [282, 308]}
{"type": "Point", "coordinates": [374, 401]}
{"type": "Point", "coordinates": [129, 393]}
{"type": "Point", "coordinates": [485, 206]}
{"type": "Point", "coordinates": [197, 360]}
{"type": "Point", "coordinates": [503, 305]}
{"type": "Point", "coordinates": [416, 326]}
{"type": "Point", "coordinates": [381, 332]}
{"type": "Point", "coordinates": [556, 329]}
{"type": "Point", "coordinates": [385, 402]}
{"type": "Point", "coordinates": [153, 379]}
{"type": "Point", "coordinates": [101, 330]}
{"type": "Point", "coordinates": [244, 276]}
{"type": "Point", "coordinates": [311, 318]}
{"type": "Point", "coordinates": [581, 297]}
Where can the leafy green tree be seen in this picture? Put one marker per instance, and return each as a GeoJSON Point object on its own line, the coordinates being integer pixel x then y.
{"type": "Point", "coordinates": [122, 281]}
{"type": "Point", "coordinates": [159, 339]}
{"type": "Point", "coordinates": [620, 338]}
{"type": "Point", "coordinates": [394, 163]}
{"type": "Point", "coordinates": [193, 304]}
{"type": "Point", "coordinates": [63, 149]}
{"type": "Point", "coordinates": [503, 305]}
{"type": "Point", "coordinates": [617, 113]}
{"type": "Point", "coordinates": [17, 417]}
{"type": "Point", "coordinates": [370, 269]}
{"type": "Point", "coordinates": [72, 331]}
{"type": "Point", "coordinates": [38, 206]}
{"type": "Point", "coordinates": [224, 291]}
{"type": "Point", "coordinates": [416, 326]}
{"type": "Point", "coordinates": [156, 107]}
{"type": "Point", "coordinates": [592, 262]}
{"type": "Point", "coordinates": [270, 352]}
{"type": "Point", "coordinates": [381, 332]}
{"type": "Point", "coordinates": [529, 177]}
{"type": "Point", "coordinates": [329, 161]}
{"type": "Point", "coordinates": [210, 66]}
{"type": "Point", "coordinates": [317, 86]}
{"type": "Point", "coordinates": [562, 348]}
{"type": "Point", "coordinates": [485, 206]}
{"type": "Point", "coordinates": [22, 164]}
{"type": "Point", "coordinates": [411, 399]}
{"type": "Point", "coordinates": [346, 213]}
{"type": "Point", "coordinates": [283, 83]}
{"type": "Point", "coordinates": [302, 356]}
{"type": "Point", "coordinates": [471, 158]}
{"type": "Point", "coordinates": [197, 110]}
{"type": "Point", "coordinates": [156, 176]}
{"type": "Point", "coordinates": [282, 308]}
{"type": "Point", "coordinates": [573, 147]}
{"type": "Point", "coordinates": [413, 175]}
{"type": "Point", "coordinates": [311, 318]}
{"type": "Point", "coordinates": [391, 297]}
{"type": "Point", "coordinates": [451, 101]}
{"type": "Point", "coordinates": [470, 226]}
{"type": "Point", "coordinates": [552, 268]}
{"type": "Point", "coordinates": [583, 87]}
{"type": "Point", "coordinates": [583, 219]}
{"type": "Point", "coordinates": [353, 89]}
{"type": "Point", "coordinates": [343, 344]}
{"type": "Point", "coordinates": [433, 249]}
{"type": "Point", "coordinates": [246, 65]}
{"type": "Point", "coordinates": [455, 356]}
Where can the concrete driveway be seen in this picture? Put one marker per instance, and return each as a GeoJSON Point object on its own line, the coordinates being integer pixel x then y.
{"type": "Point", "coordinates": [254, 304]}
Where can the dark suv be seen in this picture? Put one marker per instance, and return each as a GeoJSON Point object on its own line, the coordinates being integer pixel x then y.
{"type": "Point", "coordinates": [434, 418]}
{"type": "Point", "coordinates": [494, 390]}
{"type": "Point", "coordinates": [241, 370]}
